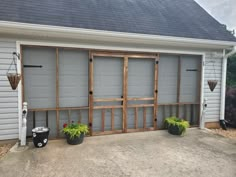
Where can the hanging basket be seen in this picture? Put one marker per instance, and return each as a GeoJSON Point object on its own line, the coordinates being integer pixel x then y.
{"type": "Point", "coordinates": [212, 84]}
{"type": "Point", "coordinates": [14, 80]}
{"type": "Point", "coordinates": [12, 73]}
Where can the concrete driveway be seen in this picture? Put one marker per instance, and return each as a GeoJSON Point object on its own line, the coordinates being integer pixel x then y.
{"type": "Point", "coordinates": [147, 154]}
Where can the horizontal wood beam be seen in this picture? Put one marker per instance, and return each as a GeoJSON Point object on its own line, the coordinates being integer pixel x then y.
{"type": "Point", "coordinates": [58, 109]}
{"type": "Point", "coordinates": [107, 99]}
{"type": "Point", "coordinates": [140, 105]}
{"type": "Point", "coordinates": [107, 107]}
{"type": "Point", "coordinates": [140, 99]}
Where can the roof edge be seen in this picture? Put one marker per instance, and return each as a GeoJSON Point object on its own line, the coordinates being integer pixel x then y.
{"type": "Point", "coordinates": [67, 32]}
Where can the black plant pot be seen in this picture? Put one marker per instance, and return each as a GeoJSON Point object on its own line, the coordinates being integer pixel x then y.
{"type": "Point", "coordinates": [40, 136]}
{"type": "Point", "coordinates": [76, 140]}
{"type": "Point", "coordinates": [174, 130]}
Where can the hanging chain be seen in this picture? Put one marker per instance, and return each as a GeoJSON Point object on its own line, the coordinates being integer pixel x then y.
{"type": "Point", "coordinates": [14, 62]}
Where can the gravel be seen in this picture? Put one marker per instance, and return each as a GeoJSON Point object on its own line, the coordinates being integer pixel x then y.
{"type": "Point", "coordinates": [229, 133]}
{"type": "Point", "coordinates": [4, 148]}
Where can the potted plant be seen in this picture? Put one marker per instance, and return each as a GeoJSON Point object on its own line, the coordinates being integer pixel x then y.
{"type": "Point", "coordinates": [75, 132]}
{"type": "Point", "coordinates": [176, 126]}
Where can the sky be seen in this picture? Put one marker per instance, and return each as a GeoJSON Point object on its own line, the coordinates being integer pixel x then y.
{"type": "Point", "coordinates": [223, 11]}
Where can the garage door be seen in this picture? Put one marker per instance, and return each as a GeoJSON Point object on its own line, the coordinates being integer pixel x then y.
{"type": "Point", "coordinates": [55, 87]}
{"type": "Point", "coordinates": [123, 92]}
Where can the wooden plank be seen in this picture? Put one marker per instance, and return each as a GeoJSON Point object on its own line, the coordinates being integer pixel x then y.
{"type": "Point", "coordinates": [155, 92]}
{"type": "Point", "coordinates": [140, 105]}
{"type": "Point", "coordinates": [140, 99]}
{"type": "Point", "coordinates": [46, 118]}
{"type": "Point", "coordinates": [69, 116]}
{"type": "Point", "coordinates": [123, 54]}
{"type": "Point", "coordinates": [108, 107]}
{"type": "Point", "coordinates": [59, 109]}
{"type": "Point", "coordinates": [91, 92]}
{"type": "Point", "coordinates": [112, 119]}
{"type": "Point", "coordinates": [136, 117]}
{"type": "Point", "coordinates": [125, 87]}
{"type": "Point", "coordinates": [125, 94]}
{"type": "Point", "coordinates": [103, 120]}
{"type": "Point", "coordinates": [178, 85]}
{"type": "Point", "coordinates": [57, 92]}
{"type": "Point", "coordinates": [144, 117]}
{"type": "Point", "coordinates": [173, 104]}
{"type": "Point", "coordinates": [107, 99]}
{"type": "Point", "coordinates": [34, 122]}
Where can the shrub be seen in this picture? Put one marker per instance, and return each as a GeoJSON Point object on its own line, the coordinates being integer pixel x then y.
{"type": "Point", "coordinates": [174, 122]}
{"type": "Point", "coordinates": [75, 129]}
{"type": "Point", "coordinates": [230, 106]}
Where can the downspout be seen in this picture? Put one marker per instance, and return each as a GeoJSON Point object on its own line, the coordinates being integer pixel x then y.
{"type": "Point", "coordinates": [223, 86]}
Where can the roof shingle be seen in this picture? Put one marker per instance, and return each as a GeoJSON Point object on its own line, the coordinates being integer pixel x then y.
{"type": "Point", "coordinates": [179, 18]}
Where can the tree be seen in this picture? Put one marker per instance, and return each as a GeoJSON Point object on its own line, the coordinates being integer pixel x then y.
{"type": "Point", "coordinates": [231, 71]}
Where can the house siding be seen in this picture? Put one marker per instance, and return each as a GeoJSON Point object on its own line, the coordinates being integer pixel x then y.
{"type": "Point", "coordinates": [8, 97]}
{"type": "Point", "coordinates": [213, 71]}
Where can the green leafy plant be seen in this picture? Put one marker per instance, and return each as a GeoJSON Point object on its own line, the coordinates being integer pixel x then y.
{"type": "Point", "coordinates": [174, 122]}
{"type": "Point", "coordinates": [75, 129]}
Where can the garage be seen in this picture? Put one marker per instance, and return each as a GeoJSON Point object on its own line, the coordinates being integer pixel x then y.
{"type": "Point", "coordinates": [111, 91]}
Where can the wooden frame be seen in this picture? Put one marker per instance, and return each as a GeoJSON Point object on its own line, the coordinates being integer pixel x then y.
{"type": "Point", "coordinates": [125, 99]}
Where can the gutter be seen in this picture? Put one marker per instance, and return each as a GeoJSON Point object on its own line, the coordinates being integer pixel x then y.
{"type": "Point", "coordinates": [223, 86]}
{"type": "Point", "coordinates": [102, 35]}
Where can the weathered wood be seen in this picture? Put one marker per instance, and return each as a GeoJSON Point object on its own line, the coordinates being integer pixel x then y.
{"type": "Point", "coordinates": [125, 87]}
{"type": "Point", "coordinates": [112, 119]}
{"type": "Point", "coordinates": [140, 105]}
{"type": "Point", "coordinates": [174, 104]}
{"type": "Point", "coordinates": [46, 118]}
{"type": "Point", "coordinates": [123, 54]}
{"type": "Point", "coordinates": [60, 109]}
{"type": "Point", "coordinates": [91, 58]}
{"type": "Point", "coordinates": [34, 122]}
{"type": "Point", "coordinates": [136, 117]}
{"type": "Point", "coordinates": [57, 92]}
{"type": "Point", "coordinates": [108, 107]}
{"type": "Point", "coordinates": [155, 92]}
{"type": "Point", "coordinates": [140, 99]}
{"type": "Point", "coordinates": [144, 117]}
{"type": "Point", "coordinates": [107, 99]}
{"type": "Point", "coordinates": [103, 120]}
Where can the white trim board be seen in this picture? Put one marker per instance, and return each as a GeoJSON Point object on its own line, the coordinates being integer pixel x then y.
{"type": "Point", "coordinates": [27, 29]}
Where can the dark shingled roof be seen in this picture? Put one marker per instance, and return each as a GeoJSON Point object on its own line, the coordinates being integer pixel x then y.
{"type": "Point", "coordinates": [180, 18]}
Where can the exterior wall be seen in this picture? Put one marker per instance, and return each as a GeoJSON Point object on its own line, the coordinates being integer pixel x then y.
{"type": "Point", "coordinates": [213, 71]}
{"type": "Point", "coordinates": [8, 97]}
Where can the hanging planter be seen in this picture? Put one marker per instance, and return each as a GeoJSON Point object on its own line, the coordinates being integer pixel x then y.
{"type": "Point", "coordinates": [212, 84]}
{"type": "Point", "coordinates": [12, 74]}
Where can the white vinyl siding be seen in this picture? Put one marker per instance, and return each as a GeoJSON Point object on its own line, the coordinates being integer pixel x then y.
{"type": "Point", "coordinates": [213, 71]}
{"type": "Point", "coordinates": [8, 97]}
